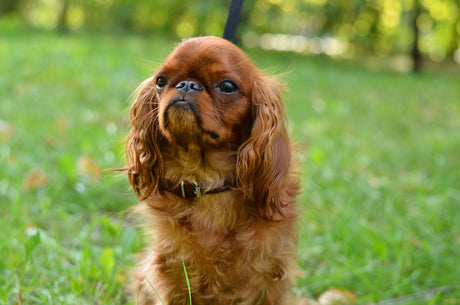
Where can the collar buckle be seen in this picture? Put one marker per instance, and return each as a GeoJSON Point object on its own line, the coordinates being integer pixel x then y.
{"type": "Point", "coordinates": [196, 189]}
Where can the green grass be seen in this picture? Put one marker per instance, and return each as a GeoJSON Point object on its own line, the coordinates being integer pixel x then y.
{"type": "Point", "coordinates": [380, 159]}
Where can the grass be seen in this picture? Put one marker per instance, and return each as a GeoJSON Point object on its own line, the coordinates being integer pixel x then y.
{"type": "Point", "coordinates": [188, 283]}
{"type": "Point", "coordinates": [380, 154]}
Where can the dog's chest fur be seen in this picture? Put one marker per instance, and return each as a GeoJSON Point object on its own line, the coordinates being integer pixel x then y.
{"type": "Point", "coordinates": [223, 247]}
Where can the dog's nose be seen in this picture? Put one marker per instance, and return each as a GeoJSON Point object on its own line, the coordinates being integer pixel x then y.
{"type": "Point", "coordinates": [189, 86]}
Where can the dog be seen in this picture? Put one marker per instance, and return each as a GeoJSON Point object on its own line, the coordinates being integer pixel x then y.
{"type": "Point", "coordinates": [209, 157]}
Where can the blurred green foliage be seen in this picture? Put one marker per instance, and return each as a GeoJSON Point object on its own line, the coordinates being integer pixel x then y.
{"type": "Point", "coordinates": [429, 28]}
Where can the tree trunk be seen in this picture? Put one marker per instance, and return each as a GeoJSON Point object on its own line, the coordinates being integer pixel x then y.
{"type": "Point", "coordinates": [62, 19]}
{"type": "Point", "coordinates": [417, 58]}
{"type": "Point", "coordinates": [8, 6]}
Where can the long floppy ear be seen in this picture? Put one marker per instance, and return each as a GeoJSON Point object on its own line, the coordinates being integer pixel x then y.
{"type": "Point", "coordinates": [264, 159]}
{"type": "Point", "coordinates": [145, 165]}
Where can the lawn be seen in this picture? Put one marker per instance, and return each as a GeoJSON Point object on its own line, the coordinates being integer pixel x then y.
{"type": "Point", "coordinates": [379, 154]}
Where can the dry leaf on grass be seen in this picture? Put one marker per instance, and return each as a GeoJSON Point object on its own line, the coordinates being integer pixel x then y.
{"type": "Point", "coordinates": [6, 131]}
{"type": "Point", "coordinates": [307, 302]}
{"type": "Point", "coordinates": [35, 179]}
{"type": "Point", "coordinates": [337, 296]}
{"type": "Point", "coordinates": [87, 167]}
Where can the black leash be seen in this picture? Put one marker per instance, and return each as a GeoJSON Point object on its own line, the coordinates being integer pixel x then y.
{"type": "Point", "coordinates": [233, 18]}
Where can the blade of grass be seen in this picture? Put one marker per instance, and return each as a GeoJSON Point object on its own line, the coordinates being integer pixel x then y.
{"type": "Point", "coordinates": [156, 292]}
{"type": "Point", "coordinates": [435, 299]}
{"type": "Point", "coordinates": [188, 282]}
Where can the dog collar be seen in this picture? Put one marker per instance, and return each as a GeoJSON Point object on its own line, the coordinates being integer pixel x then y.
{"type": "Point", "coordinates": [191, 190]}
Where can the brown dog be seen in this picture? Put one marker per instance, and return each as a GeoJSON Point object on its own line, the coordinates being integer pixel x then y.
{"type": "Point", "coordinates": [210, 157]}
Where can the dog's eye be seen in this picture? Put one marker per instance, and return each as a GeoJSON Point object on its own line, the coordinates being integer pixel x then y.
{"type": "Point", "coordinates": [227, 87]}
{"type": "Point", "coordinates": [161, 82]}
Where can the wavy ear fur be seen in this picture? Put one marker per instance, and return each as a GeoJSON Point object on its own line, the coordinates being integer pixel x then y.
{"type": "Point", "coordinates": [264, 159]}
{"type": "Point", "coordinates": [145, 164]}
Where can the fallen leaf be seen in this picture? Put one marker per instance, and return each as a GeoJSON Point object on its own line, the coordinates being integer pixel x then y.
{"type": "Point", "coordinates": [336, 296]}
{"type": "Point", "coordinates": [6, 131]}
{"type": "Point", "coordinates": [51, 141]}
{"type": "Point", "coordinates": [304, 301]}
{"type": "Point", "coordinates": [35, 179]}
{"type": "Point", "coordinates": [87, 167]}
{"type": "Point", "coordinates": [62, 123]}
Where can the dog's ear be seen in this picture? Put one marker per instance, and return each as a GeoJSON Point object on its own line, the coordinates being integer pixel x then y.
{"type": "Point", "coordinates": [264, 159]}
{"type": "Point", "coordinates": [145, 166]}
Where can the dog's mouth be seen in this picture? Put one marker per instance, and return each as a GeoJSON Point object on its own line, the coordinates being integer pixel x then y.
{"type": "Point", "coordinates": [183, 120]}
{"type": "Point", "coordinates": [182, 108]}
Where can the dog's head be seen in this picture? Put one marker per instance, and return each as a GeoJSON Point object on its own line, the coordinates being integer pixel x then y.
{"type": "Point", "coordinates": [209, 95]}
{"type": "Point", "coordinates": [204, 94]}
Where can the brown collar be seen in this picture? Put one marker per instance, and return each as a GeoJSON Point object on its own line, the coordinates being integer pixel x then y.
{"type": "Point", "coordinates": [191, 190]}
